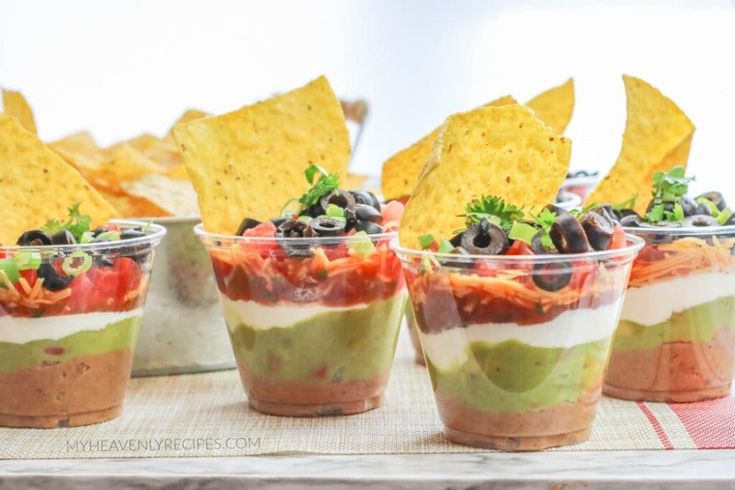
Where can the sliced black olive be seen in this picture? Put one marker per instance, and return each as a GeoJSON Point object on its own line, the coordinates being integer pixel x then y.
{"type": "Point", "coordinates": [485, 238]}
{"type": "Point", "coordinates": [703, 209]}
{"type": "Point", "coordinates": [52, 280]}
{"type": "Point", "coordinates": [456, 240]}
{"type": "Point", "coordinates": [34, 238]}
{"type": "Point", "coordinates": [324, 226]}
{"type": "Point", "coordinates": [64, 237]}
{"type": "Point", "coordinates": [556, 209]}
{"type": "Point", "coordinates": [624, 213]}
{"type": "Point", "coordinates": [363, 212]}
{"type": "Point", "coordinates": [246, 224]}
{"type": "Point", "coordinates": [552, 276]}
{"type": "Point", "coordinates": [631, 221]}
{"type": "Point", "coordinates": [98, 231]}
{"type": "Point", "coordinates": [367, 198]}
{"type": "Point", "coordinates": [314, 210]}
{"type": "Point", "coordinates": [295, 229]}
{"type": "Point", "coordinates": [700, 220]}
{"type": "Point", "coordinates": [456, 263]}
{"type": "Point", "coordinates": [688, 205]}
{"type": "Point", "coordinates": [605, 211]}
{"type": "Point", "coordinates": [340, 198]}
{"type": "Point", "coordinates": [279, 221]}
{"type": "Point", "coordinates": [132, 233]}
{"type": "Point", "coordinates": [538, 246]}
{"type": "Point", "coordinates": [599, 230]}
{"type": "Point", "coordinates": [369, 227]}
{"type": "Point", "coordinates": [568, 235]}
{"type": "Point", "coordinates": [716, 198]}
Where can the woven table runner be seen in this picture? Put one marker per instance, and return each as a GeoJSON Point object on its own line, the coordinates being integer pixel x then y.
{"type": "Point", "coordinates": [207, 415]}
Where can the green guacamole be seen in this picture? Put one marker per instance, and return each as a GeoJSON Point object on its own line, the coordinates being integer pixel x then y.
{"type": "Point", "coordinates": [114, 337]}
{"type": "Point", "coordinates": [697, 324]}
{"type": "Point", "coordinates": [513, 377]}
{"type": "Point", "coordinates": [336, 346]}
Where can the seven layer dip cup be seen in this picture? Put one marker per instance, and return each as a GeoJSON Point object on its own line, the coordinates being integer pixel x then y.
{"type": "Point", "coordinates": [66, 343]}
{"type": "Point", "coordinates": [514, 366]}
{"type": "Point", "coordinates": [676, 339]}
{"type": "Point", "coordinates": [313, 322]}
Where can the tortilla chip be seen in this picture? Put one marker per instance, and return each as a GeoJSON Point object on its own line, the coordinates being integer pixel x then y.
{"type": "Point", "coordinates": [132, 206]}
{"type": "Point", "coordinates": [188, 116]}
{"type": "Point", "coordinates": [80, 150]}
{"type": "Point", "coordinates": [657, 136]}
{"type": "Point", "coordinates": [162, 152]}
{"type": "Point", "coordinates": [36, 185]}
{"type": "Point", "coordinates": [401, 171]}
{"type": "Point", "coordinates": [353, 181]}
{"type": "Point", "coordinates": [124, 163]}
{"type": "Point", "coordinates": [17, 106]}
{"type": "Point", "coordinates": [250, 162]}
{"type": "Point", "coordinates": [174, 197]}
{"type": "Point", "coordinates": [555, 106]}
{"type": "Point", "coordinates": [178, 172]}
{"type": "Point", "coordinates": [503, 151]}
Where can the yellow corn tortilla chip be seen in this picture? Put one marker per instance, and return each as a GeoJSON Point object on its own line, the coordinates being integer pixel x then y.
{"type": "Point", "coordinates": [657, 136]}
{"type": "Point", "coordinates": [124, 163]}
{"type": "Point", "coordinates": [401, 171]}
{"type": "Point", "coordinates": [17, 106]}
{"type": "Point", "coordinates": [36, 185]}
{"type": "Point", "coordinates": [503, 151]}
{"type": "Point", "coordinates": [80, 150]}
{"type": "Point", "coordinates": [555, 106]}
{"type": "Point", "coordinates": [132, 206]}
{"type": "Point", "coordinates": [162, 152]}
{"type": "Point", "coordinates": [178, 172]}
{"type": "Point", "coordinates": [188, 116]}
{"type": "Point", "coordinates": [250, 162]}
{"type": "Point", "coordinates": [175, 197]}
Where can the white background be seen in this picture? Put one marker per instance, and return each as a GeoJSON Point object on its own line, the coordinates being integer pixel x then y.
{"type": "Point", "coordinates": [122, 68]}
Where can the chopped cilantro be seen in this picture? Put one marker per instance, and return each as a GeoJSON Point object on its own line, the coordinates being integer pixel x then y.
{"type": "Point", "coordinates": [495, 210]}
{"type": "Point", "coordinates": [320, 187]}
{"type": "Point", "coordinates": [77, 224]}
{"type": "Point", "coordinates": [668, 188]}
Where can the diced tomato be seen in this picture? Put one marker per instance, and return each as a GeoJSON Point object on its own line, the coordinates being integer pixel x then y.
{"type": "Point", "coordinates": [266, 229]}
{"type": "Point", "coordinates": [81, 294]}
{"type": "Point", "coordinates": [30, 275]}
{"type": "Point", "coordinates": [112, 284]}
{"type": "Point", "coordinates": [618, 239]}
{"type": "Point", "coordinates": [485, 269]}
{"type": "Point", "coordinates": [519, 247]}
{"type": "Point", "coordinates": [392, 213]}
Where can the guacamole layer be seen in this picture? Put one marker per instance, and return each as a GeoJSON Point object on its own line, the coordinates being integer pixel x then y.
{"type": "Point", "coordinates": [513, 377]}
{"type": "Point", "coordinates": [345, 345]}
{"type": "Point", "coordinates": [116, 336]}
{"type": "Point", "coordinates": [697, 324]}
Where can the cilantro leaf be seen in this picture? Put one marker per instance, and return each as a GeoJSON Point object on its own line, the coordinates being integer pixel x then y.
{"type": "Point", "coordinates": [77, 224]}
{"type": "Point", "coordinates": [495, 210]}
{"type": "Point", "coordinates": [668, 188]}
{"type": "Point", "coordinates": [325, 184]}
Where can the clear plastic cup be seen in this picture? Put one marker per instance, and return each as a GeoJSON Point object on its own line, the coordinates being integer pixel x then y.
{"type": "Point", "coordinates": [516, 346]}
{"type": "Point", "coordinates": [676, 339]}
{"type": "Point", "coordinates": [69, 320]}
{"type": "Point", "coordinates": [313, 325]}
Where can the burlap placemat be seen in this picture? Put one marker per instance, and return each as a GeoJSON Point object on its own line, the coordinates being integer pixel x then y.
{"type": "Point", "coordinates": [207, 415]}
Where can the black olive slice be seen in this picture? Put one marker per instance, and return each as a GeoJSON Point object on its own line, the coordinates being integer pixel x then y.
{"type": "Point", "coordinates": [716, 198]}
{"type": "Point", "coordinates": [324, 226]}
{"type": "Point", "coordinates": [295, 229]}
{"type": "Point", "coordinates": [367, 198]}
{"type": "Point", "coordinates": [556, 209]}
{"type": "Point", "coordinates": [688, 205]}
{"type": "Point", "coordinates": [363, 212]}
{"type": "Point", "coordinates": [485, 238]}
{"type": "Point", "coordinates": [552, 276]}
{"type": "Point", "coordinates": [622, 213]}
{"type": "Point", "coordinates": [631, 221]}
{"type": "Point", "coordinates": [34, 238]}
{"type": "Point", "coordinates": [700, 220]}
{"type": "Point", "coordinates": [456, 240]}
{"type": "Point", "coordinates": [703, 209]}
{"type": "Point", "coordinates": [64, 237]}
{"type": "Point", "coordinates": [369, 227]}
{"type": "Point", "coordinates": [52, 280]}
{"type": "Point", "coordinates": [599, 230]}
{"type": "Point", "coordinates": [568, 235]}
{"type": "Point", "coordinates": [246, 224]}
{"type": "Point", "coordinates": [538, 246]}
{"type": "Point", "coordinates": [606, 211]}
{"type": "Point", "coordinates": [340, 198]}
{"type": "Point", "coordinates": [131, 234]}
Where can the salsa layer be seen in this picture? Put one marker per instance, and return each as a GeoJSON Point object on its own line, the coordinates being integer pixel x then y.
{"type": "Point", "coordinates": [116, 336]}
{"type": "Point", "coordinates": [515, 377]}
{"type": "Point", "coordinates": [328, 277]}
{"type": "Point", "coordinates": [346, 345]}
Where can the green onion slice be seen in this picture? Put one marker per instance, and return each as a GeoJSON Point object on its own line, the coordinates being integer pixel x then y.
{"type": "Point", "coordinates": [363, 246]}
{"type": "Point", "coordinates": [70, 269]}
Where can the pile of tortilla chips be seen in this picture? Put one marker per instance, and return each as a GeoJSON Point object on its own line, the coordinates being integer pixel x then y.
{"type": "Point", "coordinates": [36, 185]}
{"type": "Point", "coordinates": [657, 136]}
{"type": "Point", "coordinates": [401, 171]}
{"type": "Point", "coordinates": [503, 151]}
{"type": "Point", "coordinates": [250, 162]}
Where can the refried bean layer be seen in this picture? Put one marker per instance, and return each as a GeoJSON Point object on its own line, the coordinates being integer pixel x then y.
{"type": "Point", "coordinates": [682, 371]}
{"type": "Point", "coordinates": [312, 398]}
{"type": "Point", "coordinates": [84, 390]}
